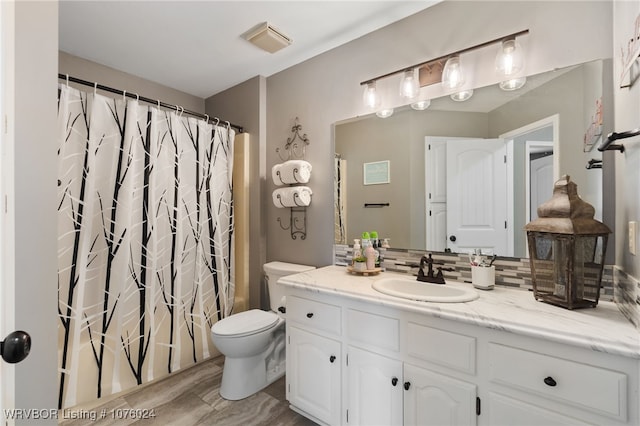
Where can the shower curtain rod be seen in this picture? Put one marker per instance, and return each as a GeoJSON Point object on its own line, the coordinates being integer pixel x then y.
{"type": "Point", "coordinates": [68, 78]}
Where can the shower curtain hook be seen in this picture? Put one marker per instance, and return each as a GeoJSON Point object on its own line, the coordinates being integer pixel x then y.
{"type": "Point", "coordinates": [217, 121]}
{"type": "Point", "coordinates": [207, 118]}
{"type": "Point", "coordinates": [137, 97]}
{"type": "Point", "coordinates": [67, 80]}
{"type": "Point", "coordinates": [158, 103]}
{"type": "Point", "coordinates": [95, 88]}
{"type": "Point", "coordinates": [124, 95]}
{"type": "Point", "coordinates": [228, 126]}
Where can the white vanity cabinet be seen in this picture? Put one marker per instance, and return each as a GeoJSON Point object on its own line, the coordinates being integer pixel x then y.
{"type": "Point", "coordinates": [314, 359]}
{"type": "Point", "coordinates": [401, 366]}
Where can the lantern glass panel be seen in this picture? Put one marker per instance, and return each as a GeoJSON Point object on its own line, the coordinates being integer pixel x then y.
{"type": "Point", "coordinates": [567, 268]}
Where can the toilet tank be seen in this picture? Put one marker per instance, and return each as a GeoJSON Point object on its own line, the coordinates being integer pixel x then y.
{"type": "Point", "coordinates": [273, 271]}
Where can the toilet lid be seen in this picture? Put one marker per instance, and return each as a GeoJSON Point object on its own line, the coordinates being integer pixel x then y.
{"type": "Point", "coordinates": [247, 322]}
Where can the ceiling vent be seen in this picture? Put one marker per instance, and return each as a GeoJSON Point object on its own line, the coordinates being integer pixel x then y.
{"type": "Point", "coordinates": [268, 38]}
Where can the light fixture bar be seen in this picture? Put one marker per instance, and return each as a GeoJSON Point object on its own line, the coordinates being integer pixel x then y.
{"type": "Point", "coordinates": [445, 57]}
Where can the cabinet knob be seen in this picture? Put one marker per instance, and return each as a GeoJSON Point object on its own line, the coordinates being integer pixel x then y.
{"type": "Point", "coordinates": [394, 381]}
{"type": "Point", "coordinates": [452, 238]}
{"type": "Point", "coordinates": [332, 358]}
{"type": "Point", "coordinates": [407, 385]}
{"type": "Point", "coordinates": [310, 314]}
{"type": "Point", "coordinates": [549, 381]}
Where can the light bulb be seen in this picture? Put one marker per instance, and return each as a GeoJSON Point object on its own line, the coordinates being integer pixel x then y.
{"type": "Point", "coordinates": [513, 84]}
{"type": "Point", "coordinates": [510, 59]}
{"type": "Point", "coordinates": [370, 96]}
{"type": "Point", "coordinates": [452, 74]}
{"type": "Point", "coordinates": [462, 95]}
{"type": "Point", "coordinates": [421, 105]}
{"type": "Point", "coordinates": [385, 113]}
{"type": "Point", "coordinates": [409, 85]}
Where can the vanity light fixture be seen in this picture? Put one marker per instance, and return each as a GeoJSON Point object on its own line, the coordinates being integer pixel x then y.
{"type": "Point", "coordinates": [409, 85]}
{"type": "Point", "coordinates": [462, 95]}
{"type": "Point", "coordinates": [370, 96]}
{"type": "Point", "coordinates": [448, 71]}
{"type": "Point", "coordinates": [453, 73]}
{"type": "Point", "coordinates": [513, 84]}
{"type": "Point", "coordinates": [385, 113]}
{"type": "Point", "coordinates": [421, 105]}
{"type": "Point", "coordinates": [509, 60]}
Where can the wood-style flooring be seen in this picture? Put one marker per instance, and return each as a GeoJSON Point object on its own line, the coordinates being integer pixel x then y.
{"type": "Point", "coordinates": [191, 398]}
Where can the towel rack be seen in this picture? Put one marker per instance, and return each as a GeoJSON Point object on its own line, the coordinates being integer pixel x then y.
{"type": "Point", "coordinates": [295, 148]}
{"type": "Point", "coordinates": [607, 145]}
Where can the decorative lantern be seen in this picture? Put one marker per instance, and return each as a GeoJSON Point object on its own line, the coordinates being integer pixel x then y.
{"type": "Point", "coordinates": [567, 247]}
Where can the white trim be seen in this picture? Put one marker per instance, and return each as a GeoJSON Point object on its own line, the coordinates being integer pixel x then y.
{"type": "Point", "coordinates": [553, 120]}
{"type": "Point", "coordinates": [7, 223]}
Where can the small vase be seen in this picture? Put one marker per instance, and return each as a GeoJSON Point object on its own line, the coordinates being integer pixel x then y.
{"type": "Point", "coordinates": [359, 266]}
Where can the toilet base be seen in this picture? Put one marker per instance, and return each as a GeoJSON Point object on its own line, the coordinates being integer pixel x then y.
{"type": "Point", "coordinates": [242, 377]}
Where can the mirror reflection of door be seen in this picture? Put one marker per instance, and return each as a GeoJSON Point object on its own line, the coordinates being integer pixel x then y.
{"type": "Point", "coordinates": [466, 193]}
{"type": "Point", "coordinates": [477, 196]}
{"type": "Point", "coordinates": [539, 176]}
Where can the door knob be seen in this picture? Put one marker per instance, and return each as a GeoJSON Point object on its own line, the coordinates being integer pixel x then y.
{"type": "Point", "coordinates": [15, 347]}
{"type": "Point", "coordinates": [452, 238]}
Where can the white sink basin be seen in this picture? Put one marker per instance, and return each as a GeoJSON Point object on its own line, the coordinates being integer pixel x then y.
{"type": "Point", "coordinates": [416, 290]}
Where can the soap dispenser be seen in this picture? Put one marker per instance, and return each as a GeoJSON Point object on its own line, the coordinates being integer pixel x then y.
{"type": "Point", "coordinates": [370, 254]}
{"type": "Point", "coordinates": [357, 252]}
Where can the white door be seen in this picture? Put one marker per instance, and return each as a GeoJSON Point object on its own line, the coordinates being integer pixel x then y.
{"type": "Point", "coordinates": [477, 196]}
{"type": "Point", "coordinates": [7, 299]}
{"type": "Point", "coordinates": [433, 399]}
{"type": "Point", "coordinates": [313, 374]}
{"type": "Point", "coordinates": [541, 184]}
{"type": "Point", "coordinates": [374, 389]}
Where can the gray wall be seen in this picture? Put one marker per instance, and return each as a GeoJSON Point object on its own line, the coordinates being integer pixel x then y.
{"type": "Point", "coordinates": [245, 104]}
{"type": "Point", "coordinates": [627, 117]}
{"type": "Point", "coordinates": [326, 89]}
{"type": "Point", "coordinates": [92, 71]}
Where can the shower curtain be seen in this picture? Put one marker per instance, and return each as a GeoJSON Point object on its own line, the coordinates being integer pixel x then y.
{"type": "Point", "coordinates": [145, 242]}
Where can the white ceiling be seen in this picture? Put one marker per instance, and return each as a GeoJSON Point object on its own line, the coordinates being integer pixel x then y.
{"type": "Point", "coordinates": [197, 46]}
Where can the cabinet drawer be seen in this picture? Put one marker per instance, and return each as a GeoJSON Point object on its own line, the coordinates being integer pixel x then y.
{"type": "Point", "coordinates": [591, 388]}
{"type": "Point", "coordinates": [371, 329]}
{"type": "Point", "coordinates": [448, 349]}
{"type": "Point", "coordinates": [312, 314]}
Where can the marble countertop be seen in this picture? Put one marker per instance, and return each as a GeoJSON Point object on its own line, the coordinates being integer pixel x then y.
{"type": "Point", "coordinates": [602, 329]}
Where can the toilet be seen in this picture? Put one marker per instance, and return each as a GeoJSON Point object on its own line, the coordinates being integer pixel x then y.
{"type": "Point", "coordinates": [253, 342]}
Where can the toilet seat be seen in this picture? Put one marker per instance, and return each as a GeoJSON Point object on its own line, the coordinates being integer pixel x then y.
{"type": "Point", "coordinates": [245, 323]}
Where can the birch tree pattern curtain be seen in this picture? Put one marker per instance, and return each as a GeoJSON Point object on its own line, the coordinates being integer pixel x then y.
{"type": "Point", "coordinates": [145, 242]}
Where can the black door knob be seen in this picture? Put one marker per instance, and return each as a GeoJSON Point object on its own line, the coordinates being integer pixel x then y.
{"type": "Point", "coordinates": [15, 347]}
{"type": "Point", "coordinates": [394, 381]}
{"type": "Point", "coordinates": [332, 358]}
{"type": "Point", "coordinates": [407, 385]}
{"type": "Point", "coordinates": [452, 238]}
{"type": "Point", "coordinates": [549, 381]}
{"type": "Point", "coordinates": [310, 314]}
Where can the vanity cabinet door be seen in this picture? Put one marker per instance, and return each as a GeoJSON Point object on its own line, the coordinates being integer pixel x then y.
{"type": "Point", "coordinates": [313, 374]}
{"type": "Point", "coordinates": [374, 389]}
{"type": "Point", "coordinates": [432, 399]}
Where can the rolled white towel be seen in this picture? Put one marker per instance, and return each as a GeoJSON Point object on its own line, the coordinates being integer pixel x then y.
{"type": "Point", "coordinates": [291, 172]}
{"type": "Point", "coordinates": [294, 196]}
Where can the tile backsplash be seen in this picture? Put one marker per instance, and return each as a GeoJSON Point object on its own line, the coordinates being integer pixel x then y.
{"type": "Point", "coordinates": [510, 272]}
{"type": "Point", "coordinates": [627, 295]}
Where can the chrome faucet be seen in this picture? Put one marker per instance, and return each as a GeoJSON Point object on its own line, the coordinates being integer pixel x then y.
{"type": "Point", "coordinates": [431, 277]}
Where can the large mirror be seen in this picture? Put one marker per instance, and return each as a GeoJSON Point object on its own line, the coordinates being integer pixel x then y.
{"type": "Point", "coordinates": [463, 175]}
